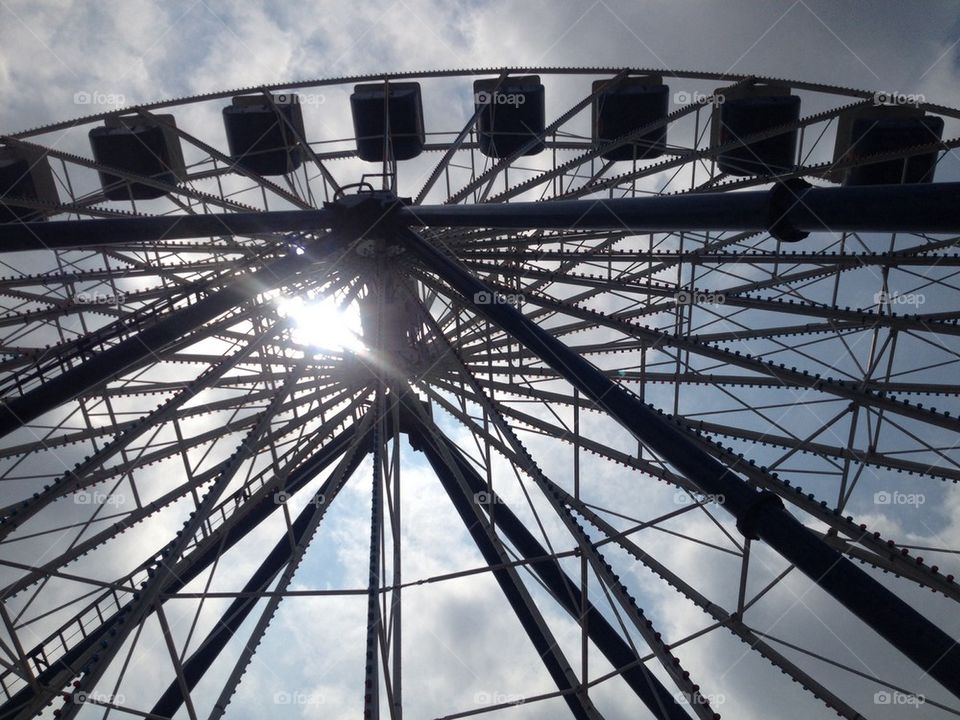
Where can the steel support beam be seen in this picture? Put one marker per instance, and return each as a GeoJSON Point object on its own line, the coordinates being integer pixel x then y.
{"type": "Point", "coordinates": [216, 640]}
{"type": "Point", "coordinates": [734, 623]}
{"type": "Point", "coordinates": [759, 514]}
{"type": "Point", "coordinates": [145, 600]}
{"type": "Point", "coordinates": [450, 466]}
{"type": "Point", "coordinates": [149, 343]}
{"type": "Point", "coordinates": [452, 475]}
{"type": "Point", "coordinates": [17, 513]}
{"type": "Point", "coordinates": [26, 703]}
{"type": "Point", "coordinates": [788, 210]}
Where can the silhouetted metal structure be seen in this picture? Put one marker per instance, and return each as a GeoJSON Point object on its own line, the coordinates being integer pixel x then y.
{"type": "Point", "coordinates": [469, 290]}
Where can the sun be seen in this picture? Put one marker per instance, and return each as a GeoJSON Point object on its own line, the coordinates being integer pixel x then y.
{"type": "Point", "coordinates": [321, 325]}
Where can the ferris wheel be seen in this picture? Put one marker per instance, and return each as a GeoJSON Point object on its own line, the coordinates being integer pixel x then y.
{"type": "Point", "coordinates": [677, 351]}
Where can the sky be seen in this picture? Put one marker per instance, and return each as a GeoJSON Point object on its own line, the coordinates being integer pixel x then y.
{"type": "Point", "coordinates": [60, 60]}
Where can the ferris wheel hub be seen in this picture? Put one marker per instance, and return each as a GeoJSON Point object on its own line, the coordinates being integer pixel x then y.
{"type": "Point", "coordinates": [370, 217]}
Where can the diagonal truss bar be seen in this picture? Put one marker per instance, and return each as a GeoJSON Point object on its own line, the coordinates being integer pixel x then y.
{"type": "Point", "coordinates": [732, 621]}
{"type": "Point", "coordinates": [453, 473]}
{"type": "Point", "coordinates": [130, 519]}
{"type": "Point", "coordinates": [146, 601]}
{"type": "Point", "coordinates": [455, 146]}
{"type": "Point", "coordinates": [487, 179]}
{"type": "Point", "coordinates": [878, 551]}
{"type": "Point", "coordinates": [371, 695]}
{"type": "Point", "coordinates": [59, 670]}
{"type": "Point", "coordinates": [302, 143]}
{"type": "Point", "coordinates": [135, 350]}
{"type": "Point", "coordinates": [76, 478]}
{"type": "Point", "coordinates": [840, 388]}
{"type": "Point", "coordinates": [759, 515]}
{"type": "Point", "coordinates": [462, 483]}
{"type": "Point", "coordinates": [602, 569]}
{"type": "Point", "coordinates": [286, 553]}
{"type": "Point", "coordinates": [225, 159]}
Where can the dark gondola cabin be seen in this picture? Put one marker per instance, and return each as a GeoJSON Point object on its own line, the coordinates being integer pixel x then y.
{"type": "Point", "coordinates": [24, 175]}
{"type": "Point", "coordinates": [740, 112]}
{"type": "Point", "coordinates": [262, 135]}
{"type": "Point", "coordinates": [863, 132]}
{"type": "Point", "coordinates": [512, 115]}
{"type": "Point", "coordinates": [139, 146]}
{"type": "Point", "coordinates": [627, 106]}
{"type": "Point", "coordinates": [388, 121]}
